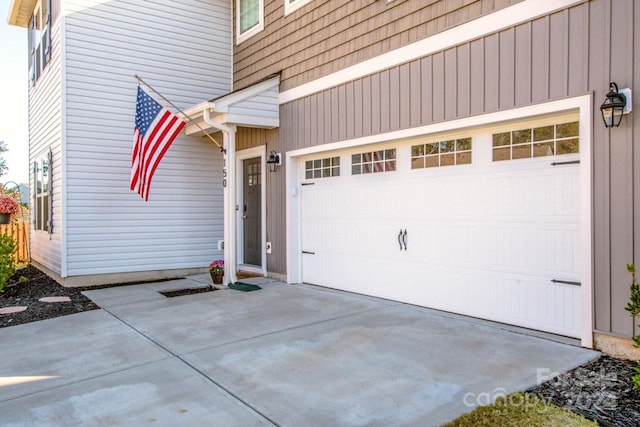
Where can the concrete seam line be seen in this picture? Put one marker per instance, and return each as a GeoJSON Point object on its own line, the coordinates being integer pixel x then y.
{"type": "Point", "coordinates": [211, 380]}
{"type": "Point", "coordinates": [293, 328]}
{"type": "Point", "coordinates": [83, 380]}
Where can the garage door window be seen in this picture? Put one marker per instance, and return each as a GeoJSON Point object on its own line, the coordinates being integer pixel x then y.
{"type": "Point", "coordinates": [444, 153]}
{"type": "Point", "coordinates": [542, 141]}
{"type": "Point", "coordinates": [322, 168]}
{"type": "Point", "coordinates": [373, 162]}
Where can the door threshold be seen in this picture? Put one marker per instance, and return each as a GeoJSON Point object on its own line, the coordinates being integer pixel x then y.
{"type": "Point", "coordinates": [251, 269]}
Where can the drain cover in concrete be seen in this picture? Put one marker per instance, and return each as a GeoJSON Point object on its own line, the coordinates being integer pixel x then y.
{"type": "Point", "coordinates": [14, 309]}
{"type": "Point", "coordinates": [55, 299]}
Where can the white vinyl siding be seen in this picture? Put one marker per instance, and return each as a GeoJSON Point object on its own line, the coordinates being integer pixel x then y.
{"type": "Point", "coordinates": [183, 49]}
{"type": "Point", "coordinates": [45, 132]}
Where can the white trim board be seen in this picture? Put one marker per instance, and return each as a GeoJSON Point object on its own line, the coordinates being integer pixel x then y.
{"type": "Point", "coordinates": [485, 25]}
{"type": "Point", "coordinates": [581, 104]}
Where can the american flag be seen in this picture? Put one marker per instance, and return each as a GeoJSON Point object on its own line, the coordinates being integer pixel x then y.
{"type": "Point", "coordinates": [155, 129]}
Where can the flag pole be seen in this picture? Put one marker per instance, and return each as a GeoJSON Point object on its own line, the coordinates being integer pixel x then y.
{"type": "Point", "coordinates": [181, 112]}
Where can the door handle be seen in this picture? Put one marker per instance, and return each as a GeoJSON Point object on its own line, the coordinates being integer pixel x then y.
{"type": "Point", "coordinates": [404, 239]}
{"type": "Point", "coordinates": [244, 217]}
{"type": "Point", "coordinates": [400, 238]}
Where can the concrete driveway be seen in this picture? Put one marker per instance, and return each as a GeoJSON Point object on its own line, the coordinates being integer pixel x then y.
{"type": "Point", "coordinates": [284, 355]}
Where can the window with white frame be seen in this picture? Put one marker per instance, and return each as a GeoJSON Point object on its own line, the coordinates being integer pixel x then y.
{"type": "Point", "coordinates": [525, 143]}
{"type": "Point", "coordinates": [373, 162]}
{"type": "Point", "coordinates": [291, 5]}
{"type": "Point", "coordinates": [39, 39]}
{"type": "Point", "coordinates": [322, 168]}
{"type": "Point", "coordinates": [249, 18]}
{"type": "Point", "coordinates": [41, 208]}
{"type": "Point", "coordinates": [443, 153]}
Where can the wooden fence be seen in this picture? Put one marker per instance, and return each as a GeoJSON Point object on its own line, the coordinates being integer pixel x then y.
{"type": "Point", "coordinates": [19, 230]}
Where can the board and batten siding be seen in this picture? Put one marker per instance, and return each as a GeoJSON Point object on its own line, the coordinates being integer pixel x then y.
{"type": "Point", "coordinates": [325, 36]}
{"type": "Point", "coordinates": [183, 49]}
{"type": "Point", "coordinates": [45, 133]}
{"type": "Point", "coordinates": [569, 53]}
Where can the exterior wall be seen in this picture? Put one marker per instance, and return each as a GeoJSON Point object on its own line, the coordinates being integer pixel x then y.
{"type": "Point", "coordinates": [564, 54]}
{"type": "Point", "coordinates": [183, 49]}
{"type": "Point", "coordinates": [330, 35]}
{"type": "Point", "coordinates": [45, 132]}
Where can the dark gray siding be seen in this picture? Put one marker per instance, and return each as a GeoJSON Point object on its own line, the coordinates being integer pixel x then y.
{"type": "Point", "coordinates": [569, 53]}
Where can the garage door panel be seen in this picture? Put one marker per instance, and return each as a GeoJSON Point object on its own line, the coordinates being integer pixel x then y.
{"type": "Point", "coordinates": [483, 240]}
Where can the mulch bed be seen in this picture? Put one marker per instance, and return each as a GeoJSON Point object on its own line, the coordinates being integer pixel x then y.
{"type": "Point", "coordinates": [601, 391]}
{"type": "Point", "coordinates": [27, 293]}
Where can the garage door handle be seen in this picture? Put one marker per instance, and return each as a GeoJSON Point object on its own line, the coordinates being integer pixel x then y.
{"type": "Point", "coordinates": [404, 239]}
{"type": "Point", "coordinates": [308, 252]}
{"type": "Point", "coordinates": [400, 238]}
{"type": "Point", "coordinates": [570, 162]}
{"type": "Point", "coordinates": [566, 282]}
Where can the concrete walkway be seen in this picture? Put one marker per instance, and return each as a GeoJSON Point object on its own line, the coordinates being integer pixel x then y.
{"type": "Point", "coordinates": [284, 355]}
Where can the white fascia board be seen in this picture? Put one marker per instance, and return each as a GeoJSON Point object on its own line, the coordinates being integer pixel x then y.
{"type": "Point", "coordinates": [236, 119]}
{"type": "Point", "coordinates": [485, 25]}
{"type": "Point", "coordinates": [196, 110]}
{"type": "Point", "coordinates": [252, 121]}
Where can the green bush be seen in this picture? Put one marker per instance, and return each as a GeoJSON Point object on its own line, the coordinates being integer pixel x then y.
{"type": "Point", "coordinates": [520, 409]}
{"type": "Point", "coordinates": [8, 248]}
{"type": "Point", "coordinates": [634, 310]}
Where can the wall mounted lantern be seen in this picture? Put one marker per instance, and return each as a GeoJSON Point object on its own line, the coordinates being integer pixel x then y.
{"type": "Point", "coordinates": [615, 106]}
{"type": "Point", "coordinates": [275, 160]}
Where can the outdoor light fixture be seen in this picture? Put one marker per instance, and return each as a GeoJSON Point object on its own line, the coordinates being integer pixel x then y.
{"type": "Point", "coordinates": [615, 106]}
{"type": "Point", "coordinates": [275, 160]}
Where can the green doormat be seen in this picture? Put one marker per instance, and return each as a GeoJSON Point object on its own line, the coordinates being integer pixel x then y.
{"type": "Point", "coordinates": [244, 287]}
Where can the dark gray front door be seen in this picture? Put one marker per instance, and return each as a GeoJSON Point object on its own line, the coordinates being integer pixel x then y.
{"type": "Point", "coordinates": [251, 211]}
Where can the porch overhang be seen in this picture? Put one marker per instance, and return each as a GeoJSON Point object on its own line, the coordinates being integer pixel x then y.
{"type": "Point", "coordinates": [255, 106]}
{"type": "Point", "coordinates": [20, 12]}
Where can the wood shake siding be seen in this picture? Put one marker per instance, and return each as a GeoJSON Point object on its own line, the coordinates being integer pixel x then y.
{"type": "Point", "coordinates": [325, 36]}
{"type": "Point", "coordinates": [569, 53]}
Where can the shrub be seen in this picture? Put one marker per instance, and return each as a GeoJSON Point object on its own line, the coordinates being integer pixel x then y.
{"type": "Point", "coordinates": [633, 307]}
{"type": "Point", "coordinates": [7, 264]}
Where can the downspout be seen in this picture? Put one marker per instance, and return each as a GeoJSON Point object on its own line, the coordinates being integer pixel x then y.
{"type": "Point", "coordinates": [229, 182]}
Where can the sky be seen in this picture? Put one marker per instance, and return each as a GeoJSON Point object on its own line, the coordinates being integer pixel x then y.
{"type": "Point", "coordinates": [13, 98]}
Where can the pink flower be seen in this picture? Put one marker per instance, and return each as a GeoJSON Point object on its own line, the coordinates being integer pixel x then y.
{"type": "Point", "coordinates": [8, 205]}
{"type": "Point", "coordinates": [217, 266]}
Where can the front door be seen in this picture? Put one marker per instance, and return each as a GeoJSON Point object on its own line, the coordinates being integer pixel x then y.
{"type": "Point", "coordinates": [251, 211]}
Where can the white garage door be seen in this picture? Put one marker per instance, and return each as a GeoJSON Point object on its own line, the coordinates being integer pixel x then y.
{"type": "Point", "coordinates": [484, 224]}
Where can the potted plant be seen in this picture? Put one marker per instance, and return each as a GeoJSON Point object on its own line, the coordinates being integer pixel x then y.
{"type": "Point", "coordinates": [8, 206]}
{"type": "Point", "coordinates": [216, 269]}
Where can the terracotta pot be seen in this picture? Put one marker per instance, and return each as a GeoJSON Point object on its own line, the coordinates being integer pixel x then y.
{"type": "Point", "coordinates": [216, 277]}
